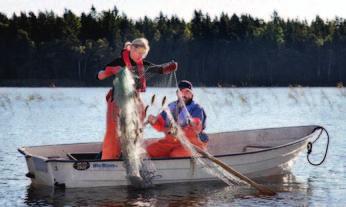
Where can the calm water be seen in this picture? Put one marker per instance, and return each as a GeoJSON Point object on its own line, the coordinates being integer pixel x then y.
{"type": "Point", "coordinates": [37, 116]}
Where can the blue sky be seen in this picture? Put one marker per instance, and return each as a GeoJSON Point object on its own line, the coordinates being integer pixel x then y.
{"type": "Point", "coordinates": [302, 9]}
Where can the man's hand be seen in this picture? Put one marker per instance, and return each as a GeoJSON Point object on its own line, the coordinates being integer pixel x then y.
{"type": "Point", "coordinates": [173, 130]}
{"type": "Point", "coordinates": [152, 119]}
{"type": "Point", "coordinates": [191, 123]}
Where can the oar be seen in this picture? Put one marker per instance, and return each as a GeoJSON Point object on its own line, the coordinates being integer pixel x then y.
{"type": "Point", "coordinates": [261, 188]}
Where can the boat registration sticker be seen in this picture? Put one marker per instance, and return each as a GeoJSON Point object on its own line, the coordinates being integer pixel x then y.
{"type": "Point", "coordinates": [83, 165]}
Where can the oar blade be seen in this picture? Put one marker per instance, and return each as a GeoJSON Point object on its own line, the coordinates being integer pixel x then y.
{"type": "Point", "coordinates": [264, 190]}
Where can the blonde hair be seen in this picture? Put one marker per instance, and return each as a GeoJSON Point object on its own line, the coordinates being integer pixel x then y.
{"type": "Point", "coordinates": [142, 42]}
{"type": "Point", "coordinates": [127, 45]}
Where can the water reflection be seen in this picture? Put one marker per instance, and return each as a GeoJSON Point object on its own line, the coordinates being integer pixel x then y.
{"type": "Point", "coordinates": [291, 192]}
{"type": "Point", "coordinates": [284, 183]}
{"type": "Point", "coordinates": [191, 194]}
{"type": "Point", "coordinates": [188, 194]}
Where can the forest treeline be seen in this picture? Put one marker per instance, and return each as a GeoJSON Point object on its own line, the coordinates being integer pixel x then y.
{"type": "Point", "coordinates": [44, 48]}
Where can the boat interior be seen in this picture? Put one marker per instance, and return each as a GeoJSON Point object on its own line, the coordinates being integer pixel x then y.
{"type": "Point", "coordinates": [220, 144]}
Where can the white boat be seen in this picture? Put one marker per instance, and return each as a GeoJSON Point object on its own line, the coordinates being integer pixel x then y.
{"type": "Point", "coordinates": [255, 153]}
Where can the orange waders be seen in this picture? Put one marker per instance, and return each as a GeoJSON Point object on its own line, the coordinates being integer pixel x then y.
{"type": "Point", "coordinates": [111, 143]}
{"type": "Point", "coordinates": [111, 148]}
{"type": "Point", "coordinates": [170, 146]}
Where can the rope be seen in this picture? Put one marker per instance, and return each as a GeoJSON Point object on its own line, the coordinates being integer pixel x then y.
{"type": "Point", "coordinates": [310, 144]}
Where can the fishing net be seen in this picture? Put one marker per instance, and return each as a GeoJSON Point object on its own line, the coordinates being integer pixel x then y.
{"type": "Point", "coordinates": [160, 80]}
{"type": "Point", "coordinates": [139, 158]}
{"type": "Point", "coordinates": [170, 80]}
{"type": "Point", "coordinates": [130, 130]}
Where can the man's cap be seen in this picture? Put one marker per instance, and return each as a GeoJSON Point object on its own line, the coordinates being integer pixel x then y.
{"type": "Point", "coordinates": [185, 84]}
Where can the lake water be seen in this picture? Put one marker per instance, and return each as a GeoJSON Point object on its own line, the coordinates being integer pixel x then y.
{"type": "Point", "coordinates": [39, 116]}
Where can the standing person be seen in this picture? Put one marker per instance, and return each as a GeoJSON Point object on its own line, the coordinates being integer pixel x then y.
{"type": "Point", "coordinates": [132, 58]}
{"type": "Point", "coordinates": [192, 120]}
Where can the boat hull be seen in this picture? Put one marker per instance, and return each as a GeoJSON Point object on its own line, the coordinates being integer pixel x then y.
{"type": "Point", "coordinates": [253, 161]}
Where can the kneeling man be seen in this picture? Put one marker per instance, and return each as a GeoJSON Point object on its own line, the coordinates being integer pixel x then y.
{"type": "Point", "coordinates": [191, 118]}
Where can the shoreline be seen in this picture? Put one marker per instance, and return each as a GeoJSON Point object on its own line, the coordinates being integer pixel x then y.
{"type": "Point", "coordinates": [108, 83]}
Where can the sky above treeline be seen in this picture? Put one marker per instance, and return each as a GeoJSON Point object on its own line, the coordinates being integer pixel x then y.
{"type": "Point", "coordinates": [135, 9]}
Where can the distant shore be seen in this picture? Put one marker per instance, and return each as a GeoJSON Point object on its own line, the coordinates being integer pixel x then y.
{"type": "Point", "coordinates": [108, 83]}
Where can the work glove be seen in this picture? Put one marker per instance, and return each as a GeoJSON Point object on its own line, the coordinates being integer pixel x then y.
{"type": "Point", "coordinates": [109, 71]}
{"type": "Point", "coordinates": [169, 67]}
{"type": "Point", "coordinates": [112, 70]}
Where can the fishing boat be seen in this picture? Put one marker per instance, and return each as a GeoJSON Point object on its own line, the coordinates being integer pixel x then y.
{"type": "Point", "coordinates": [254, 153]}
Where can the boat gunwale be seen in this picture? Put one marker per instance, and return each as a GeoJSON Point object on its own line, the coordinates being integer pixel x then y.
{"type": "Point", "coordinates": [316, 127]}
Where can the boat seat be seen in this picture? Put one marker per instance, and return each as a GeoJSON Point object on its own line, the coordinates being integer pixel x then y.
{"type": "Point", "coordinates": [84, 156]}
{"type": "Point", "coordinates": [56, 157]}
{"type": "Point", "coordinates": [252, 148]}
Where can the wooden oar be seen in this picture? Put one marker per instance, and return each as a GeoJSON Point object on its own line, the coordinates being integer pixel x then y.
{"type": "Point", "coordinates": [261, 188]}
